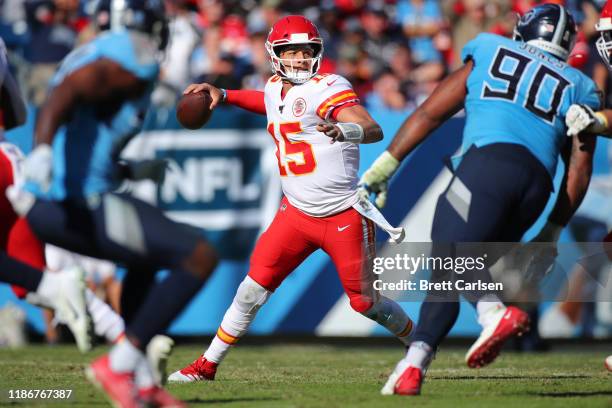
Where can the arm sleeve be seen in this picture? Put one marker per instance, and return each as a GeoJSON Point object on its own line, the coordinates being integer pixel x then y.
{"type": "Point", "coordinates": [253, 101]}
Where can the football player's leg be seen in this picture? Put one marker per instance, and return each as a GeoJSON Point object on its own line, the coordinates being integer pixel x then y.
{"type": "Point", "coordinates": [25, 247]}
{"type": "Point", "coordinates": [473, 208]}
{"type": "Point", "coordinates": [136, 284]}
{"type": "Point", "coordinates": [525, 186]}
{"type": "Point", "coordinates": [494, 206]}
{"type": "Point", "coordinates": [350, 243]}
{"type": "Point", "coordinates": [63, 292]}
{"type": "Point", "coordinates": [277, 253]}
{"type": "Point", "coordinates": [123, 229]}
{"type": "Point", "coordinates": [106, 322]}
{"type": "Point", "coordinates": [18, 273]}
{"type": "Point", "coordinates": [9, 218]}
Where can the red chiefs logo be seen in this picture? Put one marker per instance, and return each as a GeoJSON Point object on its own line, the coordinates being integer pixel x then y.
{"type": "Point", "coordinates": [299, 107]}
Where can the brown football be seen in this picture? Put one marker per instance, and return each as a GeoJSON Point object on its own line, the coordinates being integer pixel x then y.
{"type": "Point", "coordinates": [193, 110]}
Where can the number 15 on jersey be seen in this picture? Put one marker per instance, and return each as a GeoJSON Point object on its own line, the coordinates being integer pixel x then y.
{"type": "Point", "coordinates": [298, 157]}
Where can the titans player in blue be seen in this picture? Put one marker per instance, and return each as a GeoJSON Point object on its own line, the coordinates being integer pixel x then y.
{"type": "Point", "coordinates": [97, 102]}
{"type": "Point", "coordinates": [516, 94]}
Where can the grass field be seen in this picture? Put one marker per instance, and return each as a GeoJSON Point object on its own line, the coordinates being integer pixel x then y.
{"type": "Point", "coordinates": [329, 376]}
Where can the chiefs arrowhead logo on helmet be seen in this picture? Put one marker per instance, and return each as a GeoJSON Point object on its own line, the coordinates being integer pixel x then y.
{"type": "Point", "coordinates": [294, 30]}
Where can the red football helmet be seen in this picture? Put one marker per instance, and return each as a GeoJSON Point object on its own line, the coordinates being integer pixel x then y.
{"type": "Point", "coordinates": [604, 42]}
{"type": "Point", "coordinates": [294, 30]}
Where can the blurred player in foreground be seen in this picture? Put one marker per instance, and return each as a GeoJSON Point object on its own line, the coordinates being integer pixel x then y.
{"type": "Point", "coordinates": [21, 254]}
{"type": "Point", "coordinates": [97, 102]}
{"type": "Point", "coordinates": [516, 94]}
{"type": "Point", "coordinates": [107, 323]}
{"type": "Point", "coordinates": [584, 119]}
{"type": "Point", "coordinates": [317, 124]}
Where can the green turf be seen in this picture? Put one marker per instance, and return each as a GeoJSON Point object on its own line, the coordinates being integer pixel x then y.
{"type": "Point", "coordinates": [325, 376]}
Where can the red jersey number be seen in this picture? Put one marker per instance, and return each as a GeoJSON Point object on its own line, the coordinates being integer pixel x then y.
{"type": "Point", "coordinates": [289, 150]}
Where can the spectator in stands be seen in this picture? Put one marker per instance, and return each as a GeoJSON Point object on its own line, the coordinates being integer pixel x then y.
{"type": "Point", "coordinates": [420, 20]}
{"type": "Point", "coordinates": [353, 63]}
{"type": "Point", "coordinates": [13, 24]}
{"type": "Point", "coordinates": [474, 17]}
{"type": "Point", "coordinates": [329, 24]}
{"type": "Point", "coordinates": [378, 42]}
{"type": "Point", "coordinates": [207, 56]}
{"type": "Point", "coordinates": [401, 66]}
{"type": "Point", "coordinates": [54, 26]}
{"type": "Point", "coordinates": [387, 95]}
{"type": "Point", "coordinates": [261, 18]}
{"type": "Point", "coordinates": [259, 61]}
{"type": "Point", "coordinates": [185, 36]}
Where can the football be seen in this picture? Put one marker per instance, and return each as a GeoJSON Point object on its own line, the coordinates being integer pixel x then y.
{"type": "Point", "coordinates": [608, 363]}
{"type": "Point", "coordinates": [193, 110]}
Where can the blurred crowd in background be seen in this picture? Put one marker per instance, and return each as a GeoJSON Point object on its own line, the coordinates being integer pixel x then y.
{"type": "Point", "coordinates": [394, 52]}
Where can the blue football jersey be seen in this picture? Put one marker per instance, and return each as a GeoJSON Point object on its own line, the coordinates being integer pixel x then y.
{"type": "Point", "coordinates": [85, 149]}
{"type": "Point", "coordinates": [517, 93]}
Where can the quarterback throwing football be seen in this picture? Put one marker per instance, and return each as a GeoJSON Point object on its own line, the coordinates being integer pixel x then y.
{"type": "Point", "coordinates": [317, 124]}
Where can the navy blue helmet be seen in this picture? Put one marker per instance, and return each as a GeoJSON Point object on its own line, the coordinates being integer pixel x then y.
{"type": "Point", "coordinates": [147, 16]}
{"type": "Point", "coordinates": [549, 27]}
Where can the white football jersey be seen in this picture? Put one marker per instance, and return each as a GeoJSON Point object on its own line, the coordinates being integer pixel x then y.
{"type": "Point", "coordinates": [318, 177]}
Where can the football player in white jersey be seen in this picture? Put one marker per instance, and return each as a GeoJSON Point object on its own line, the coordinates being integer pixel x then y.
{"type": "Point", "coordinates": [317, 124]}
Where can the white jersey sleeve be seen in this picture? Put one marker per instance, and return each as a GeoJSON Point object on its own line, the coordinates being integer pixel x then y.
{"type": "Point", "coordinates": [317, 177]}
{"type": "Point", "coordinates": [337, 92]}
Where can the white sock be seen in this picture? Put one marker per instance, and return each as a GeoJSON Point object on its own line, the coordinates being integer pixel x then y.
{"type": "Point", "coordinates": [144, 377]}
{"type": "Point", "coordinates": [217, 350]}
{"type": "Point", "coordinates": [250, 296]}
{"type": "Point", "coordinates": [107, 323]}
{"type": "Point", "coordinates": [486, 308]}
{"type": "Point", "coordinates": [419, 355]}
{"type": "Point", "coordinates": [124, 357]}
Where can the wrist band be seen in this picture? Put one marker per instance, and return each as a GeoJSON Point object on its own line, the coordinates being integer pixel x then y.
{"type": "Point", "coordinates": [601, 122]}
{"type": "Point", "coordinates": [353, 133]}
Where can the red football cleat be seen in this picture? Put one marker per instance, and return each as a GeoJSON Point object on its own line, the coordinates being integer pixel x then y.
{"type": "Point", "coordinates": [118, 387]}
{"type": "Point", "coordinates": [409, 382]}
{"type": "Point", "coordinates": [200, 370]}
{"type": "Point", "coordinates": [158, 397]}
{"type": "Point", "coordinates": [404, 380]}
{"type": "Point", "coordinates": [510, 322]}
